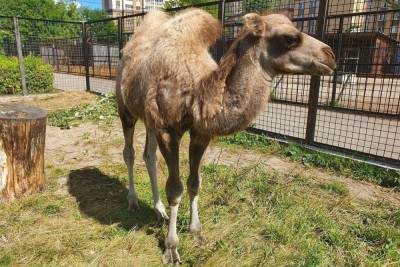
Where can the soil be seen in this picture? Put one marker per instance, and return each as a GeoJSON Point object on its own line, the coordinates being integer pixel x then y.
{"type": "Point", "coordinates": [90, 145]}
{"type": "Point", "coordinates": [52, 102]}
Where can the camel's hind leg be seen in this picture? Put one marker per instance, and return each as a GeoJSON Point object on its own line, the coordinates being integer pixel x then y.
{"type": "Point", "coordinates": [128, 125]}
{"type": "Point", "coordinates": [150, 158]}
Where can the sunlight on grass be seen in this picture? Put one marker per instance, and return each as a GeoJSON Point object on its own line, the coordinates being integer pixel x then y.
{"type": "Point", "coordinates": [309, 158]}
{"type": "Point", "coordinates": [250, 217]}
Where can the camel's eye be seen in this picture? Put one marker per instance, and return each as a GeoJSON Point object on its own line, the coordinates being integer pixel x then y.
{"type": "Point", "coordinates": [291, 41]}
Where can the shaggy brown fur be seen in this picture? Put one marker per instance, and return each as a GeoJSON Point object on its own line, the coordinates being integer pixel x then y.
{"type": "Point", "coordinates": [181, 42]}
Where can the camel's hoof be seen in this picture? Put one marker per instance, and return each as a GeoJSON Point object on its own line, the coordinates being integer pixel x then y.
{"type": "Point", "coordinates": [161, 212]}
{"type": "Point", "coordinates": [197, 235]}
{"type": "Point", "coordinates": [195, 229]}
{"type": "Point", "coordinates": [133, 204]}
{"type": "Point", "coordinates": [171, 256]}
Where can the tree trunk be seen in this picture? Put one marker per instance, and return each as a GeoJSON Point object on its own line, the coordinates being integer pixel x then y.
{"type": "Point", "coordinates": [22, 140]}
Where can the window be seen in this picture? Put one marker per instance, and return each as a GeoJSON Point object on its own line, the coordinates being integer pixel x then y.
{"type": "Point", "coordinates": [313, 8]}
{"type": "Point", "coordinates": [313, 13]}
{"type": "Point", "coordinates": [300, 14]}
{"type": "Point", "coordinates": [380, 29]}
{"type": "Point", "coordinates": [394, 29]}
{"type": "Point", "coordinates": [129, 6]}
{"type": "Point", "coordinates": [381, 17]}
{"type": "Point", "coordinates": [396, 16]}
{"type": "Point", "coordinates": [117, 4]}
{"type": "Point", "coordinates": [301, 9]}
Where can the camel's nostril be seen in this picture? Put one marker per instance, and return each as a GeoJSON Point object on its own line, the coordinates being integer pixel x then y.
{"type": "Point", "coordinates": [328, 51]}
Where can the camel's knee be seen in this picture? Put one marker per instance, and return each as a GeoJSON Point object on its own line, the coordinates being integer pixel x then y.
{"type": "Point", "coordinates": [149, 157]}
{"type": "Point", "coordinates": [193, 185]}
{"type": "Point", "coordinates": [129, 154]}
{"type": "Point", "coordinates": [174, 190]}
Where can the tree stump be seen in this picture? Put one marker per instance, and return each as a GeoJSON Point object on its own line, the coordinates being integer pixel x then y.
{"type": "Point", "coordinates": [22, 140]}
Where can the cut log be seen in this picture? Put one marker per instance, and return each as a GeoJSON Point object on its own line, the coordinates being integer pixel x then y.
{"type": "Point", "coordinates": [22, 140]}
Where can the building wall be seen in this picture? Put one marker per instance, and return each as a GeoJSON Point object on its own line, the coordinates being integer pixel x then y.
{"type": "Point", "coordinates": [115, 7]}
{"type": "Point", "coordinates": [387, 24]}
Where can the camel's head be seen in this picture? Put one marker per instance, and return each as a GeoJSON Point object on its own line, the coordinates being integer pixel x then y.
{"type": "Point", "coordinates": [283, 49]}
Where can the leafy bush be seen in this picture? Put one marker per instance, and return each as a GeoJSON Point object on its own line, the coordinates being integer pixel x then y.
{"type": "Point", "coordinates": [39, 75]}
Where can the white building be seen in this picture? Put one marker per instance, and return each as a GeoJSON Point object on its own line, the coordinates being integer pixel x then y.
{"type": "Point", "coordinates": [117, 7]}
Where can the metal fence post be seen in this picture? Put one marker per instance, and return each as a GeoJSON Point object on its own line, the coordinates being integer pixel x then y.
{"type": "Point", "coordinates": [339, 51]}
{"type": "Point", "coordinates": [120, 36]}
{"type": "Point", "coordinates": [316, 80]}
{"type": "Point", "coordinates": [109, 60]}
{"type": "Point", "coordinates": [221, 17]}
{"type": "Point", "coordinates": [85, 48]}
{"type": "Point", "coordinates": [20, 56]}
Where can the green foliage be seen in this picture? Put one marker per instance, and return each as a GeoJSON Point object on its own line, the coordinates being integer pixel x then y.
{"type": "Point", "coordinates": [349, 167]}
{"type": "Point", "coordinates": [51, 10]}
{"type": "Point", "coordinates": [212, 9]}
{"type": "Point", "coordinates": [248, 6]}
{"type": "Point", "coordinates": [39, 75]}
{"type": "Point", "coordinates": [103, 110]}
{"type": "Point", "coordinates": [258, 5]}
{"type": "Point", "coordinates": [247, 140]}
{"type": "Point", "coordinates": [107, 28]}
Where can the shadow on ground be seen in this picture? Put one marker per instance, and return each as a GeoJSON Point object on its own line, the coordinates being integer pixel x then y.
{"type": "Point", "coordinates": [103, 198]}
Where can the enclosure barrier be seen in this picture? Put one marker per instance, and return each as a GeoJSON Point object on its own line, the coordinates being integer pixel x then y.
{"type": "Point", "coordinates": [356, 111]}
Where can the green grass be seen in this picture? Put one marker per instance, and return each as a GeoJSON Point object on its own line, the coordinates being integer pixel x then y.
{"type": "Point", "coordinates": [251, 217]}
{"type": "Point", "coordinates": [295, 152]}
{"type": "Point", "coordinates": [103, 110]}
{"type": "Point", "coordinates": [336, 188]}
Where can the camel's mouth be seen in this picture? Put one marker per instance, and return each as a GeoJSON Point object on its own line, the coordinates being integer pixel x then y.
{"type": "Point", "coordinates": [323, 68]}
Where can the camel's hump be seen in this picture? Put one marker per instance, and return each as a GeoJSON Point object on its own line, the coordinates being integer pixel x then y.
{"type": "Point", "coordinates": [177, 45]}
{"type": "Point", "coordinates": [194, 25]}
{"type": "Point", "coordinates": [190, 27]}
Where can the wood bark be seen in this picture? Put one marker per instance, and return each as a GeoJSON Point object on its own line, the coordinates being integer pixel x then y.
{"type": "Point", "coordinates": [22, 143]}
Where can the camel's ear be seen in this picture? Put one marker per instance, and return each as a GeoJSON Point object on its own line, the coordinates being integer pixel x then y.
{"type": "Point", "coordinates": [287, 12]}
{"type": "Point", "coordinates": [254, 23]}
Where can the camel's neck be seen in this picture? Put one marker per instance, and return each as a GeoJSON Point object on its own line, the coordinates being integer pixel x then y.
{"type": "Point", "coordinates": [246, 92]}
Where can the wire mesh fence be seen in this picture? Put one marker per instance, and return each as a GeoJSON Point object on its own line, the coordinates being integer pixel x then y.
{"type": "Point", "coordinates": [357, 110]}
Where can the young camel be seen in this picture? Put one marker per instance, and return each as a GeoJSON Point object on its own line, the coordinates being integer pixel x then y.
{"type": "Point", "coordinates": [168, 79]}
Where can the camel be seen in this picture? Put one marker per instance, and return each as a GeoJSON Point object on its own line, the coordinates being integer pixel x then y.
{"type": "Point", "coordinates": [168, 79]}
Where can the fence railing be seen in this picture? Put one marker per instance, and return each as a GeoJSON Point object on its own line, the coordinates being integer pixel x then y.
{"type": "Point", "coordinates": [357, 110]}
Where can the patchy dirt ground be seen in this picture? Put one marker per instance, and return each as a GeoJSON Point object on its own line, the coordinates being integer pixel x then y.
{"type": "Point", "coordinates": [91, 145]}
{"type": "Point", "coordinates": [52, 102]}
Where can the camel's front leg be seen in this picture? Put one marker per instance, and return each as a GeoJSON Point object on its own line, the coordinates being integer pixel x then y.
{"type": "Point", "coordinates": [169, 147]}
{"type": "Point", "coordinates": [198, 146]}
{"type": "Point", "coordinates": [150, 159]}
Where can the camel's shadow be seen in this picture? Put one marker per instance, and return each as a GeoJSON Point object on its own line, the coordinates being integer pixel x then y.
{"type": "Point", "coordinates": [103, 198]}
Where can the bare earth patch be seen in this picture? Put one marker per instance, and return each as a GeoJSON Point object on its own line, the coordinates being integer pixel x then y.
{"type": "Point", "coordinates": [52, 102]}
{"type": "Point", "coordinates": [90, 145]}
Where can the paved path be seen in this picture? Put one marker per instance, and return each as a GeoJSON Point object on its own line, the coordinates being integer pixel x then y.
{"type": "Point", "coordinates": [69, 82]}
{"type": "Point", "coordinates": [363, 133]}
{"type": "Point", "coordinates": [368, 134]}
